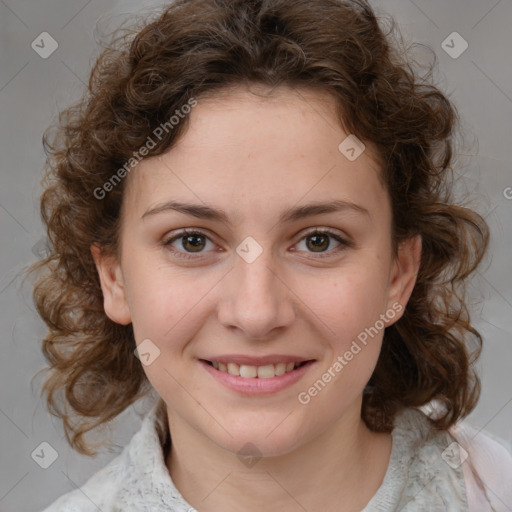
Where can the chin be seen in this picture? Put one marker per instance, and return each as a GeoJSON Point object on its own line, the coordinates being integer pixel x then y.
{"type": "Point", "coordinates": [262, 438]}
{"type": "Point", "coordinates": [248, 446]}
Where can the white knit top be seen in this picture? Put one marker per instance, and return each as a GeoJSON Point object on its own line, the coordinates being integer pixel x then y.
{"type": "Point", "coordinates": [425, 473]}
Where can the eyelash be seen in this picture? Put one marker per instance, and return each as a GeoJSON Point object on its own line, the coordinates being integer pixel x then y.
{"type": "Point", "coordinates": [343, 242]}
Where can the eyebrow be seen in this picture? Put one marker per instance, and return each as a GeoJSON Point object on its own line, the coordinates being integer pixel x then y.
{"type": "Point", "coordinates": [291, 215]}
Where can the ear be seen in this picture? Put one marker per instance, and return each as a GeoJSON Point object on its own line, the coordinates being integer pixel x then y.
{"type": "Point", "coordinates": [404, 273]}
{"type": "Point", "coordinates": [112, 285]}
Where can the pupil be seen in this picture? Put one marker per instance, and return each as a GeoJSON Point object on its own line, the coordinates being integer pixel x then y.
{"type": "Point", "coordinates": [316, 244]}
{"type": "Point", "coordinates": [188, 240]}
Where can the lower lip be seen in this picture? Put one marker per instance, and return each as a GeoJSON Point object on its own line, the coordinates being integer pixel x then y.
{"type": "Point", "coordinates": [255, 385]}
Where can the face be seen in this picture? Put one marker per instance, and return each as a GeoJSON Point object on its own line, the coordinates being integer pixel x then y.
{"type": "Point", "coordinates": [286, 264]}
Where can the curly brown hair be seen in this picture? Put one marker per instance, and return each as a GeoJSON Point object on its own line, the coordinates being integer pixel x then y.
{"type": "Point", "coordinates": [197, 47]}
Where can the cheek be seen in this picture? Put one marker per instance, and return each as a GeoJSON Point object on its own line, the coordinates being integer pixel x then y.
{"type": "Point", "coordinates": [167, 305]}
{"type": "Point", "coordinates": [156, 301]}
{"type": "Point", "coordinates": [351, 308]}
{"type": "Point", "coordinates": [346, 302]}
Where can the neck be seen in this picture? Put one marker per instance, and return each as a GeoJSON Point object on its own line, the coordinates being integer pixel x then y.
{"type": "Point", "coordinates": [343, 465]}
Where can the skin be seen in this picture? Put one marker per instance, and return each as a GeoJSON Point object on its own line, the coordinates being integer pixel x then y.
{"type": "Point", "coordinates": [255, 156]}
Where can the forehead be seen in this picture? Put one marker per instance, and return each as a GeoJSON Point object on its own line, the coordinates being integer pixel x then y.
{"type": "Point", "coordinates": [253, 148]}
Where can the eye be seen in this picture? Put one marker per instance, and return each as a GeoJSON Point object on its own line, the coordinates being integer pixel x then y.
{"type": "Point", "coordinates": [319, 240]}
{"type": "Point", "coordinates": [188, 242]}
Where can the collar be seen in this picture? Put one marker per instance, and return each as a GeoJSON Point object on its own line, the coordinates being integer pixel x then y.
{"type": "Point", "coordinates": [418, 477]}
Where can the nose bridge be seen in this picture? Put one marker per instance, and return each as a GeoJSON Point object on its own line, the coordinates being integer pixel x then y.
{"type": "Point", "coordinates": [255, 299]}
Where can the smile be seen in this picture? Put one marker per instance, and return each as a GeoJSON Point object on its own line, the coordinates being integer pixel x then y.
{"type": "Point", "coordinates": [261, 372]}
{"type": "Point", "coordinates": [256, 379]}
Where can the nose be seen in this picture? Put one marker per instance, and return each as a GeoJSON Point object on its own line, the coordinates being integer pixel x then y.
{"type": "Point", "coordinates": [255, 299]}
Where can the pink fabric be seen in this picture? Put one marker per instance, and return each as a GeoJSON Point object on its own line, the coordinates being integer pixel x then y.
{"type": "Point", "coordinates": [487, 470]}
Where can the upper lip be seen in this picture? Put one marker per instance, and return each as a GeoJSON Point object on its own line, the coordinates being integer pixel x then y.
{"type": "Point", "coordinates": [256, 360]}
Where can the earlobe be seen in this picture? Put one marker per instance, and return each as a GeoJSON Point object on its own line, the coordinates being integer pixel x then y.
{"type": "Point", "coordinates": [112, 286]}
{"type": "Point", "coordinates": [405, 272]}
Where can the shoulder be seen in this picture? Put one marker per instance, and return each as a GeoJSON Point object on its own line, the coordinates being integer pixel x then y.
{"type": "Point", "coordinates": [456, 469]}
{"type": "Point", "coordinates": [421, 475]}
{"type": "Point", "coordinates": [98, 492]}
{"type": "Point", "coordinates": [487, 466]}
{"type": "Point", "coordinates": [135, 481]}
{"type": "Point", "coordinates": [435, 474]}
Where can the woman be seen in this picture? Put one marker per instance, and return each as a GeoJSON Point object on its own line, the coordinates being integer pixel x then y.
{"type": "Point", "coordinates": [251, 213]}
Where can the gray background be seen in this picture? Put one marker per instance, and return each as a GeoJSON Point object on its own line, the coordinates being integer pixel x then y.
{"type": "Point", "coordinates": [33, 90]}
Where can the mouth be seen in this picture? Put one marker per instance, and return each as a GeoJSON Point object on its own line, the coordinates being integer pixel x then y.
{"type": "Point", "coordinates": [256, 376]}
{"type": "Point", "coordinates": [246, 371]}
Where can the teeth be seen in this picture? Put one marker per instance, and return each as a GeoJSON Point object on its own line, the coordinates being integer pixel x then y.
{"type": "Point", "coordinates": [280, 368]}
{"type": "Point", "coordinates": [265, 372]}
{"type": "Point", "coordinates": [248, 371]}
{"type": "Point", "coordinates": [233, 369]}
{"type": "Point", "coordinates": [262, 372]}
